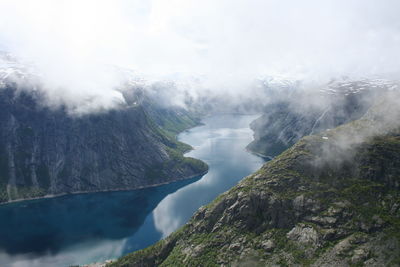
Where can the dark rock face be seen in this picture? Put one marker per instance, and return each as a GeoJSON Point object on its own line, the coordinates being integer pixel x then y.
{"type": "Point", "coordinates": [285, 121]}
{"type": "Point", "coordinates": [45, 151]}
{"type": "Point", "coordinates": [332, 199]}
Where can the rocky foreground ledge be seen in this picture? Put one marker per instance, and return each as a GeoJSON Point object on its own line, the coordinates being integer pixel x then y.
{"type": "Point", "coordinates": [332, 199]}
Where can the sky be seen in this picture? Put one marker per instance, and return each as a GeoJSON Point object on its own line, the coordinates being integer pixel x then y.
{"type": "Point", "coordinates": [226, 42]}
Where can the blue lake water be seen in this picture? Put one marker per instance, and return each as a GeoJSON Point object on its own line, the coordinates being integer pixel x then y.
{"type": "Point", "coordinates": [86, 228]}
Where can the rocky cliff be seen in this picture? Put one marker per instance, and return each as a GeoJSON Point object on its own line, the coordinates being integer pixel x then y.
{"type": "Point", "coordinates": [47, 151]}
{"type": "Point", "coordinates": [333, 199]}
{"type": "Point", "coordinates": [295, 113]}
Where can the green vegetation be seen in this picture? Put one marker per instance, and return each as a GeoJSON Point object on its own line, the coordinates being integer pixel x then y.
{"type": "Point", "coordinates": [167, 128]}
{"type": "Point", "coordinates": [30, 192]}
{"type": "Point", "coordinates": [173, 124]}
{"type": "Point", "coordinates": [176, 162]}
{"type": "Point", "coordinates": [302, 208]}
{"type": "Point", "coordinates": [111, 145]}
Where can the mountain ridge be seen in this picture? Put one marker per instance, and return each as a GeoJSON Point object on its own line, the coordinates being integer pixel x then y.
{"type": "Point", "coordinates": [46, 151]}
{"type": "Point", "coordinates": [296, 113]}
{"type": "Point", "coordinates": [332, 199]}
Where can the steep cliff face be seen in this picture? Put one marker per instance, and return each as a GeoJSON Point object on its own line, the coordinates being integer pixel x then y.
{"type": "Point", "coordinates": [333, 199]}
{"type": "Point", "coordinates": [46, 151]}
{"type": "Point", "coordinates": [297, 114]}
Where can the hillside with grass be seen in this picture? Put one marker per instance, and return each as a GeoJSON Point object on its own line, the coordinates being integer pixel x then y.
{"type": "Point", "coordinates": [332, 199]}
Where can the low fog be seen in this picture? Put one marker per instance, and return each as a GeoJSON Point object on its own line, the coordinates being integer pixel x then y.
{"type": "Point", "coordinates": [79, 48]}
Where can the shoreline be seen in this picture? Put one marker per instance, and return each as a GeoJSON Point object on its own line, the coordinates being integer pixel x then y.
{"type": "Point", "coordinates": [102, 191]}
{"type": "Point", "coordinates": [116, 189]}
{"type": "Point", "coordinates": [111, 260]}
{"type": "Point", "coordinates": [200, 123]}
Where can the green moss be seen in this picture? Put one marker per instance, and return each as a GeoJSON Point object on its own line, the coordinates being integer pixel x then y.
{"type": "Point", "coordinates": [360, 184]}
{"type": "Point", "coordinates": [175, 258]}
{"type": "Point", "coordinates": [167, 129]}
{"type": "Point", "coordinates": [283, 262]}
{"type": "Point", "coordinates": [21, 192]}
{"type": "Point", "coordinates": [207, 245]}
{"type": "Point", "coordinates": [30, 192]}
{"type": "Point", "coordinates": [174, 121]}
{"type": "Point", "coordinates": [139, 257]}
{"type": "Point", "coordinates": [176, 162]}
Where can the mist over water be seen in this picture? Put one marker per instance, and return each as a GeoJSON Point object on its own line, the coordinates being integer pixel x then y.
{"type": "Point", "coordinates": [84, 55]}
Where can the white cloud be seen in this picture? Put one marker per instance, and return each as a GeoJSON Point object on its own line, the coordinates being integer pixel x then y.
{"type": "Point", "coordinates": [228, 41]}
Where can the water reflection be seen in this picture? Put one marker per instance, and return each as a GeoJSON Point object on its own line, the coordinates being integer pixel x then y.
{"type": "Point", "coordinates": [84, 252]}
{"type": "Point", "coordinates": [87, 228]}
{"type": "Point", "coordinates": [76, 229]}
{"type": "Point", "coordinates": [221, 144]}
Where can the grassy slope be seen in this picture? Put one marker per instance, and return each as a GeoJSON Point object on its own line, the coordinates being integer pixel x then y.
{"type": "Point", "coordinates": [346, 211]}
{"type": "Point", "coordinates": [167, 129]}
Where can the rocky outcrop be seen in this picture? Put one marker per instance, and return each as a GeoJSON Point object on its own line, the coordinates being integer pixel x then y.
{"type": "Point", "coordinates": [46, 151]}
{"type": "Point", "coordinates": [333, 199]}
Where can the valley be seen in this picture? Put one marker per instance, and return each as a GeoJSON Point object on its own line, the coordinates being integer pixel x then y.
{"type": "Point", "coordinates": [86, 228]}
{"type": "Point", "coordinates": [183, 133]}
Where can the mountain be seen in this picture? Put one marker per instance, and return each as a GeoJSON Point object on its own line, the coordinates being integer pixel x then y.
{"type": "Point", "coordinates": [332, 199]}
{"type": "Point", "coordinates": [12, 70]}
{"type": "Point", "coordinates": [296, 113]}
{"type": "Point", "coordinates": [45, 150]}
